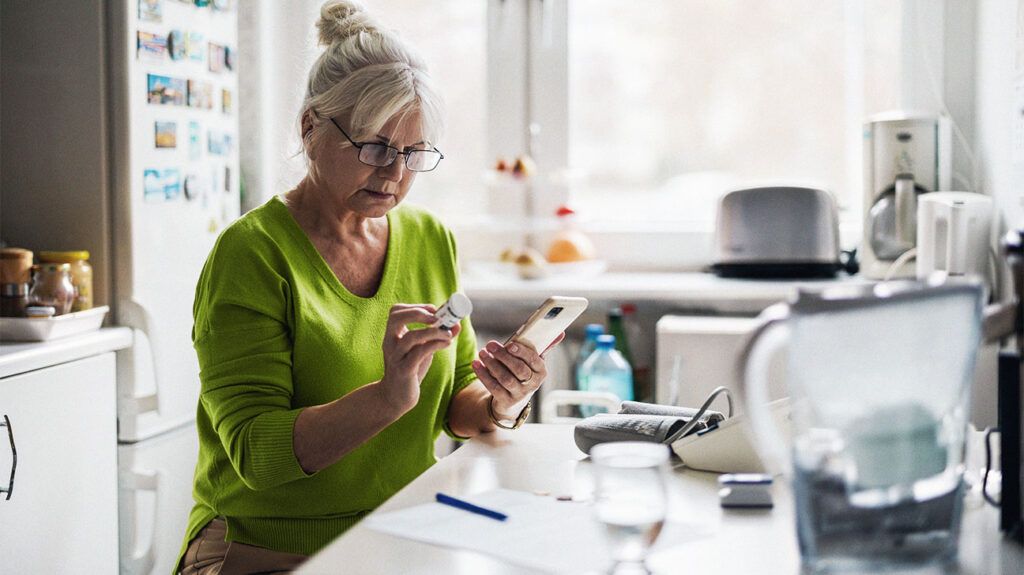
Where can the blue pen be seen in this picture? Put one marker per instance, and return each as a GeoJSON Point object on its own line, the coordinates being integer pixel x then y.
{"type": "Point", "coordinates": [467, 506]}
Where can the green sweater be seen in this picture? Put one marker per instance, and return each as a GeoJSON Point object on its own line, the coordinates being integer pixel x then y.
{"type": "Point", "coordinates": [275, 331]}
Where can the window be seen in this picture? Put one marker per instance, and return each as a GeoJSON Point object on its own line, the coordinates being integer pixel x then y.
{"type": "Point", "coordinates": [451, 36]}
{"type": "Point", "coordinates": [673, 101]}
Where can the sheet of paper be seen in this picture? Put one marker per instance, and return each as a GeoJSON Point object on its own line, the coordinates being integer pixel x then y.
{"type": "Point", "coordinates": [541, 532]}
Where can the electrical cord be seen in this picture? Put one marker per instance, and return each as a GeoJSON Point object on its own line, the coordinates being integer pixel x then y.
{"type": "Point", "coordinates": [700, 413]}
{"type": "Point", "coordinates": [896, 265]}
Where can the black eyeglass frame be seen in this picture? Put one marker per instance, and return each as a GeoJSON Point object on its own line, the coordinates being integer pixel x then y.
{"type": "Point", "coordinates": [396, 151]}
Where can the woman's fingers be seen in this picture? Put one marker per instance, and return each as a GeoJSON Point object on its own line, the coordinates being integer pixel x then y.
{"type": "Point", "coordinates": [402, 315]}
{"type": "Point", "coordinates": [489, 381]}
{"type": "Point", "coordinates": [558, 340]}
{"type": "Point", "coordinates": [518, 366]}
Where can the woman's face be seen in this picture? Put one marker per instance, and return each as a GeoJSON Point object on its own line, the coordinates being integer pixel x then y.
{"type": "Point", "coordinates": [356, 187]}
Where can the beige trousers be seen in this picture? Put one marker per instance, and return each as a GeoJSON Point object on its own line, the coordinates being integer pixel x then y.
{"type": "Point", "coordinates": [210, 554]}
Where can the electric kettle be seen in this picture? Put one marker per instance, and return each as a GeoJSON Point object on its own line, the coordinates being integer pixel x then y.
{"type": "Point", "coordinates": [953, 234]}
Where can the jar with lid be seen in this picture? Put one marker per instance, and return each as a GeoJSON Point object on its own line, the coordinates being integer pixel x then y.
{"type": "Point", "coordinates": [81, 274]}
{"type": "Point", "coordinates": [15, 276]}
{"type": "Point", "coordinates": [51, 286]}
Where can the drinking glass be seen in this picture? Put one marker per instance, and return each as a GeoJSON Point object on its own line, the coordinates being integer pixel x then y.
{"type": "Point", "coordinates": [630, 499]}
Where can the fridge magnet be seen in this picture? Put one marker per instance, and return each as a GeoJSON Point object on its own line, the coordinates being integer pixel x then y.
{"type": "Point", "coordinates": [218, 143]}
{"type": "Point", "coordinates": [200, 94]}
{"type": "Point", "coordinates": [195, 148]}
{"type": "Point", "coordinates": [202, 3]}
{"type": "Point", "coordinates": [227, 179]}
{"type": "Point", "coordinates": [151, 46]}
{"type": "Point", "coordinates": [225, 101]}
{"type": "Point", "coordinates": [222, 5]}
{"type": "Point", "coordinates": [229, 58]}
{"type": "Point", "coordinates": [161, 185]}
{"type": "Point", "coordinates": [176, 45]}
{"type": "Point", "coordinates": [216, 57]}
{"type": "Point", "coordinates": [165, 90]}
{"type": "Point", "coordinates": [193, 188]}
{"type": "Point", "coordinates": [151, 10]}
{"type": "Point", "coordinates": [196, 46]}
{"type": "Point", "coordinates": [166, 134]}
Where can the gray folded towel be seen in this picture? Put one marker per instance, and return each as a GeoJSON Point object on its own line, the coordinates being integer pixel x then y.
{"type": "Point", "coordinates": [640, 422]}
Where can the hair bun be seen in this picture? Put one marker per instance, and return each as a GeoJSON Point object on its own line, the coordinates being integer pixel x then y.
{"type": "Point", "coordinates": [340, 19]}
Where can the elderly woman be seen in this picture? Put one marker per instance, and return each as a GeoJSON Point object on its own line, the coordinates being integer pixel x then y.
{"type": "Point", "coordinates": [322, 391]}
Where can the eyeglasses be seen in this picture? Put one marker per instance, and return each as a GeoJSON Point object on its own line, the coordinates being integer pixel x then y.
{"type": "Point", "coordinates": [382, 155]}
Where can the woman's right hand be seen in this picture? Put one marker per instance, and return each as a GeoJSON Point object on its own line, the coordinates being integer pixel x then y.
{"type": "Point", "coordinates": [408, 354]}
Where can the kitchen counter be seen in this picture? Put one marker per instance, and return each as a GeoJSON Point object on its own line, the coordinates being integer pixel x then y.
{"type": "Point", "coordinates": [545, 458]}
{"type": "Point", "coordinates": [695, 290]}
{"type": "Point", "coordinates": [20, 357]}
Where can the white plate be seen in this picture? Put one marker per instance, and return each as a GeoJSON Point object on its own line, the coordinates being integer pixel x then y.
{"type": "Point", "coordinates": [583, 269]}
{"type": "Point", "coordinates": [47, 328]}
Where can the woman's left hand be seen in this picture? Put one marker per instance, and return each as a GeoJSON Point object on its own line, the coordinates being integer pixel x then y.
{"type": "Point", "coordinates": [512, 374]}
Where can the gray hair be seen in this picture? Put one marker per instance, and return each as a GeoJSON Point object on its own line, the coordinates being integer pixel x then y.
{"type": "Point", "coordinates": [368, 75]}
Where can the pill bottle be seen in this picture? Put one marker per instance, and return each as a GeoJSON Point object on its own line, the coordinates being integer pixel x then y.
{"type": "Point", "coordinates": [457, 307]}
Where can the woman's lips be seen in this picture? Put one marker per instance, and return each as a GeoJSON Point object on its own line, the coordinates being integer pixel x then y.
{"type": "Point", "coordinates": [375, 194]}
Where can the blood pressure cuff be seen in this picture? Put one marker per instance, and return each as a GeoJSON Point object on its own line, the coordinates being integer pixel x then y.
{"type": "Point", "coordinates": [641, 422]}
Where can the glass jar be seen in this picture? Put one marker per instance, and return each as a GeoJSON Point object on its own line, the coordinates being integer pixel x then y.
{"type": "Point", "coordinates": [81, 274]}
{"type": "Point", "coordinates": [51, 285]}
{"type": "Point", "coordinates": [15, 275]}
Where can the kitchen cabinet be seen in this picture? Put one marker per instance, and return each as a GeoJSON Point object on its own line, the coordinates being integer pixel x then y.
{"type": "Point", "coordinates": [60, 515]}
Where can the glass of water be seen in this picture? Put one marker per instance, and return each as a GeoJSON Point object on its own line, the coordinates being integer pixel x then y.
{"type": "Point", "coordinates": [630, 499]}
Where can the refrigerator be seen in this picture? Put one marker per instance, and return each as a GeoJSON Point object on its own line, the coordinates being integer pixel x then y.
{"type": "Point", "coordinates": [118, 129]}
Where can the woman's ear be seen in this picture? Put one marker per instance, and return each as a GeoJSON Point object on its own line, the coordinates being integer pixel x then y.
{"type": "Point", "coordinates": [307, 131]}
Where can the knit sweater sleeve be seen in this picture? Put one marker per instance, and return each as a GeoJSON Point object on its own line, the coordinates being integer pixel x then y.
{"type": "Point", "coordinates": [243, 341]}
{"type": "Point", "coordinates": [465, 345]}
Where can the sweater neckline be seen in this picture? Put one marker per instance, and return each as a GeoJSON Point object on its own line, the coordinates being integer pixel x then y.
{"type": "Point", "coordinates": [391, 258]}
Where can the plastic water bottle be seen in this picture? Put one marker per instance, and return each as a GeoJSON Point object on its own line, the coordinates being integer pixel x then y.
{"type": "Point", "coordinates": [607, 370]}
{"type": "Point", "coordinates": [589, 345]}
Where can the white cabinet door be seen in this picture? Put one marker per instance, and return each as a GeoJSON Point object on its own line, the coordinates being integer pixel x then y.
{"type": "Point", "coordinates": [61, 516]}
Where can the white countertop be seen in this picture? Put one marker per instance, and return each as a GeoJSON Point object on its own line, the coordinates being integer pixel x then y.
{"type": "Point", "coordinates": [692, 289]}
{"type": "Point", "coordinates": [544, 457]}
{"type": "Point", "coordinates": [20, 357]}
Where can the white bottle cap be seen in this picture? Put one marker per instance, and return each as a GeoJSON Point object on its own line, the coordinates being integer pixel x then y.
{"type": "Point", "coordinates": [460, 305]}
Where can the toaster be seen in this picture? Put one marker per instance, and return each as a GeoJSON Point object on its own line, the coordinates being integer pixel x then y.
{"type": "Point", "coordinates": [777, 232]}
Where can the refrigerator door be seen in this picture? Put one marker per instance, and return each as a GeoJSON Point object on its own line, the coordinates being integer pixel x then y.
{"type": "Point", "coordinates": [175, 187]}
{"type": "Point", "coordinates": [155, 497]}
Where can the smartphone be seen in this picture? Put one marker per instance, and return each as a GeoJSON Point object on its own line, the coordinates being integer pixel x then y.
{"type": "Point", "coordinates": [552, 318]}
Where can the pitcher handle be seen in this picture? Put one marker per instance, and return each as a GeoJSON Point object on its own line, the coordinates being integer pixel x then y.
{"type": "Point", "coordinates": [755, 360]}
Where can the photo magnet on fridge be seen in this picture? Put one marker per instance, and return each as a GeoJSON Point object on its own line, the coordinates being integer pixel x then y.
{"type": "Point", "coordinates": [229, 58]}
{"type": "Point", "coordinates": [176, 45]}
{"type": "Point", "coordinates": [161, 185]}
{"type": "Point", "coordinates": [151, 46]}
{"type": "Point", "coordinates": [196, 46]}
{"type": "Point", "coordinates": [151, 10]}
{"type": "Point", "coordinates": [195, 145]}
{"type": "Point", "coordinates": [165, 90]}
{"type": "Point", "coordinates": [166, 134]}
{"type": "Point", "coordinates": [216, 52]}
{"type": "Point", "coordinates": [225, 101]}
{"type": "Point", "coordinates": [200, 94]}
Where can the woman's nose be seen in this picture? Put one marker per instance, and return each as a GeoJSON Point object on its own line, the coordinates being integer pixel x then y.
{"type": "Point", "coordinates": [394, 171]}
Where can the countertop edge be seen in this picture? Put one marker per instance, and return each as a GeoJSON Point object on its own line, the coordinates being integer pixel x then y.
{"type": "Point", "coordinates": [22, 357]}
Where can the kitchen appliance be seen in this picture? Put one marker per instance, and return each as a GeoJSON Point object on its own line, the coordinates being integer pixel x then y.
{"type": "Point", "coordinates": [777, 232]}
{"type": "Point", "coordinates": [953, 234]}
{"type": "Point", "coordinates": [876, 468]}
{"type": "Point", "coordinates": [119, 138]}
{"type": "Point", "coordinates": [905, 155]}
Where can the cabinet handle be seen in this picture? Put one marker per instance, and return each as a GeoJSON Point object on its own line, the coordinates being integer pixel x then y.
{"type": "Point", "coordinates": [14, 457]}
